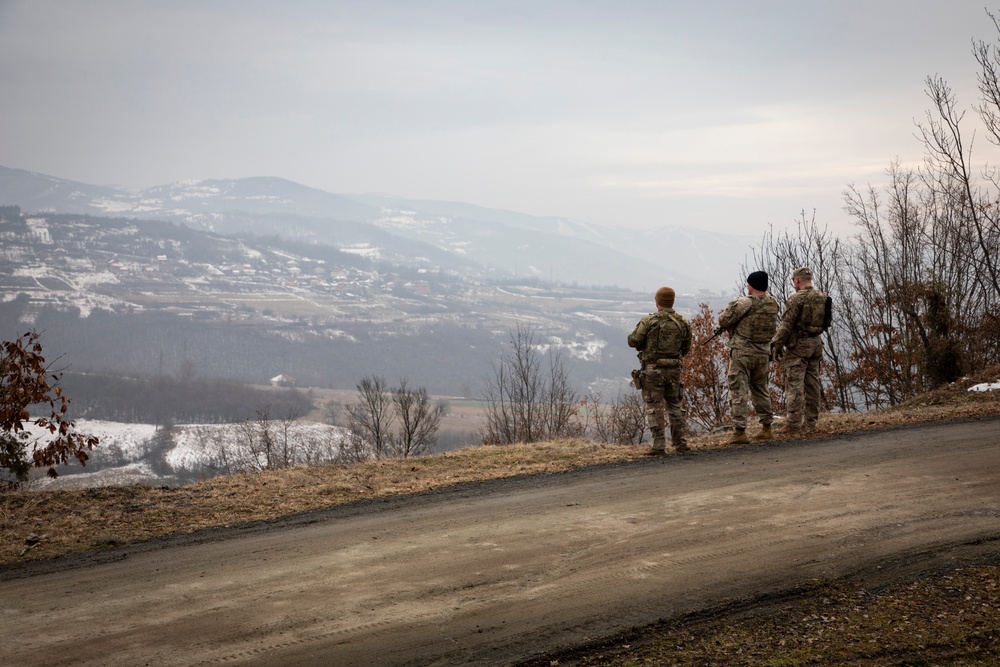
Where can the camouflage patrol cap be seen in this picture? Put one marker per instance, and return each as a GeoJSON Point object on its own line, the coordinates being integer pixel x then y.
{"type": "Point", "coordinates": [803, 272]}
{"type": "Point", "coordinates": [665, 297]}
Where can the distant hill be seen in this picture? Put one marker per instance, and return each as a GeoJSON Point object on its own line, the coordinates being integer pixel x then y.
{"type": "Point", "coordinates": [153, 297]}
{"type": "Point", "coordinates": [462, 236]}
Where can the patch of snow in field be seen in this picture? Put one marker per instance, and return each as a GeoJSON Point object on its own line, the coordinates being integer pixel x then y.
{"type": "Point", "coordinates": [128, 438]}
{"type": "Point", "coordinates": [362, 250]}
{"type": "Point", "coordinates": [590, 316]}
{"type": "Point", "coordinates": [339, 333]}
{"type": "Point", "coordinates": [132, 473]}
{"type": "Point", "coordinates": [30, 271]}
{"type": "Point", "coordinates": [95, 278]}
{"type": "Point", "coordinates": [580, 349]}
{"type": "Point", "coordinates": [197, 446]}
{"type": "Point", "coordinates": [194, 449]}
{"type": "Point", "coordinates": [112, 205]}
{"type": "Point", "coordinates": [986, 386]}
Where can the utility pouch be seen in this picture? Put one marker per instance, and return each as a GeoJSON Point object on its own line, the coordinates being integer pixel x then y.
{"type": "Point", "coordinates": [637, 379]}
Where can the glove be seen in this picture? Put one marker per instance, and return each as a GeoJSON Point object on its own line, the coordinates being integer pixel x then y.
{"type": "Point", "coordinates": [777, 352]}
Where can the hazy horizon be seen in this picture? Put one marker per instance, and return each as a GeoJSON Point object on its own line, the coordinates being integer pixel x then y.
{"type": "Point", "coordinates": [725, 116]}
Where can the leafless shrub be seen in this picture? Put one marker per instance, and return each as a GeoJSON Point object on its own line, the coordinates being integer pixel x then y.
{"type": "Point", "coordinates": [525, 401]}
{"type": "Point", "coordinates": [621, 422]}
{"type": "Point", "coordinates": [393, 422]}
{"type": "Point", "coordinates": [261, 443]}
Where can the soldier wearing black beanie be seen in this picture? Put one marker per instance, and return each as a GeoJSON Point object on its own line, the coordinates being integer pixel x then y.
{"type": "Point", "coordinates": [751, 321]}
{"type": "Point", "coordinates": [758, 280]}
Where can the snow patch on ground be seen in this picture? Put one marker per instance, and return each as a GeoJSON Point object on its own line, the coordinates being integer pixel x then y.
{"type": "Point", "coordinates": [986, 386]}
{"type": "Point", "coordinates": [128, 438]}
{"type": "Point", "coordinates": [142, 454]}
{"type": "Point", "coordinates": [209, 446]}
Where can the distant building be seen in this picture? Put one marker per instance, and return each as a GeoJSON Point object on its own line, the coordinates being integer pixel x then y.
{"type": "Point", "coordinates": [283, 380]}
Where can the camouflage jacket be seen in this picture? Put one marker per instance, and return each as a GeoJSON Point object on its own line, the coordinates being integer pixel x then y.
{"type": "Point", "coordinates": [803, 316]}
{"type": "Point", "coordinates": [751, 322]}
{"type": "Point", "coordinates": [664, 334]}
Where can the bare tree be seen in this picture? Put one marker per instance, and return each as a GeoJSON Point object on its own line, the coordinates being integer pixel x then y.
{"type": "Point", "coordinates": [370, 419]}
{"type": "Point", "coordinates": [561, 410]}
{"type": "Point", "coordinates": [948, 162]}
{"type": "Point", "coordinates": [917, 287]}
{"type": "Point", "coordinates": [261, 443]}
{"type": "Point", "coordinates": [419, 420]}
{"type": "Point", "coordinates": [523, 403]}
{"type": "Point", "coordinates": [331, 412]}
{"type": "Point", "coordinates": [779, 254]}
{"type": "Point", "coordinates": [622, 421]}
{"type": "Point", "coordinates": [391, 422]}
{"type": "Point", "coordinates": [287, 439]}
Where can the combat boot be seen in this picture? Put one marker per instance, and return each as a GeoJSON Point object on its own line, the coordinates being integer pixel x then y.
{"type": "Point", "coordinates": [765, 433]}
{"type": "Point", "coordinates": [739, 437]}
{"type": "Point", "coordinates": [659, 446]}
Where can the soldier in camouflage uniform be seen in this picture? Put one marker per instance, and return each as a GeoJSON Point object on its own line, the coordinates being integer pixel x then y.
{"type": "Point", "coordinates": [798, 343]}
{"type": "Point", "coordinates": [751, 321]}
{"type": "Point", "coordinates": [662, 338]}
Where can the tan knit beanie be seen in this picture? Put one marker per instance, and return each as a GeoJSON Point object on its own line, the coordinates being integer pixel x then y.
{"type": "Point", "coordinates": [665, 297]}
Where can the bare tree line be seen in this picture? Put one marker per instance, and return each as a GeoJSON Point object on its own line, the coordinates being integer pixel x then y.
{"type": "Point", "coordinates": [264, 443]}
{"type": "Point", "coordinates": [917, 286]}
{"type": "Point", "coordinates": [391, 422]}
{"type": "Point", "coordinates": [526, 399]}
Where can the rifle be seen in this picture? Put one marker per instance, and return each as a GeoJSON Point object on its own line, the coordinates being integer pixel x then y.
{"type": "Point", "coordinates": [716, 334]}
{"type": "Point", "coordinates": [732, 328]}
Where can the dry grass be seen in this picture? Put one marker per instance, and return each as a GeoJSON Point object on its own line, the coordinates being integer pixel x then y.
{"type": "Point", "coordinates": [950, 620]}
{"type": "Point", "coordinates": [75, 521]}
{"type": "Point", "coordinates": [79, 520]}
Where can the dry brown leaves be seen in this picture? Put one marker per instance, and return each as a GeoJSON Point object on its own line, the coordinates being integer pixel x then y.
{"type": "Point", "coordinates": [953, 619]}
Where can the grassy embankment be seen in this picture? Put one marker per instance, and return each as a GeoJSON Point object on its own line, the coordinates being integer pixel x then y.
{"type": "Point", "coordinates": [952, 619]}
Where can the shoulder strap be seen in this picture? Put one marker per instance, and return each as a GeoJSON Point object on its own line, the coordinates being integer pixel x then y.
{"type": "Point", "coordinates": [754, 304]}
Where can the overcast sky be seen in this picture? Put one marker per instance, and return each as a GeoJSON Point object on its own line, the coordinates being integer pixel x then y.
{"type": "Point", "coordinates": [721, 114]}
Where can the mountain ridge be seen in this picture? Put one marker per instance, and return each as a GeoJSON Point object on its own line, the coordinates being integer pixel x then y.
{"type": "Point", "coordinates": [503, 242]}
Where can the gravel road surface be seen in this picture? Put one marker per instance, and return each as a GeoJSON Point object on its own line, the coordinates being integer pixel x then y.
{"type": "Point", "coordinates": [498, 572]}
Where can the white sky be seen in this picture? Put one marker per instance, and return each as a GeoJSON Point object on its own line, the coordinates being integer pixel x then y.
{"type": "Point", "coordinates": [721, 114]}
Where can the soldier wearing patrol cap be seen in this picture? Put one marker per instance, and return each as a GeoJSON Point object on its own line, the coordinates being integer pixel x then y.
{"type": "Point", "coordinates": [798, 344]}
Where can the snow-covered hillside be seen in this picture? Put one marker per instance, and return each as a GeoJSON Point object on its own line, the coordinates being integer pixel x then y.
{"type": "Point", "coordinates": [140, 454]}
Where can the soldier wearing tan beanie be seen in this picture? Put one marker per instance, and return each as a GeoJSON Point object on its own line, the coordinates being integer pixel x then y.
{"type": "Point", "coordinates": [662, 338]}
{"type": "Point", "coordinates": [665, 297]}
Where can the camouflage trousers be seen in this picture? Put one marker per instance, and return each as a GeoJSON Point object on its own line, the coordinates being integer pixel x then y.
{"type": "Point", "coordinates": [803, 389]}
{"type": "Point", "coordinates": [749, 373]}
{"type": "Point", "coordinates": [663, 394]}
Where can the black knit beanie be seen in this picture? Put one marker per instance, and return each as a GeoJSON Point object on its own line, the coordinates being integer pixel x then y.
{"type": "Point", "coordinates": [758, 280]}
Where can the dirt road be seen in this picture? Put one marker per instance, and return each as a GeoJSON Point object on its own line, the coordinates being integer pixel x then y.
{"type": "Point", "coordinates": [496, 573]}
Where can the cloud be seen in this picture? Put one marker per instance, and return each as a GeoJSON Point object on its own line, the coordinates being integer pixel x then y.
{"type": "Point", "coordinates": [558, 107]}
